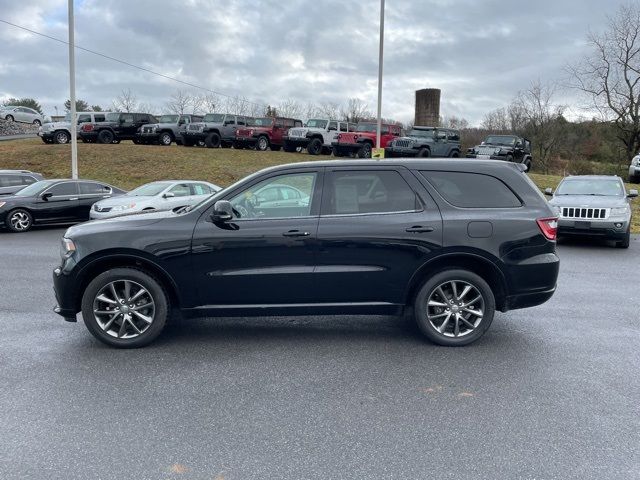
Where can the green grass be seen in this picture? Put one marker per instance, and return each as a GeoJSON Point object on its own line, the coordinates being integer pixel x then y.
{"type": "Point", "coordinates": [127, 165]}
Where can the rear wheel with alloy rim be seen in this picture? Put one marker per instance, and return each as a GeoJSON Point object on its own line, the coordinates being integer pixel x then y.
{"type": "Point", "coordinates": [125, 308]}
{"type": "Point", "coordinates": [37, 123]}
{"type": "Point", "coordinates": [454, 307]}
{"type": "Point", "coordinates": [19, 220]}
{"type": "Point", "coordinates": [62, 137]}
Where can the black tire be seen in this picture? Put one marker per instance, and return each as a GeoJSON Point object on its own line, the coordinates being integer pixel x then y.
{"type": "Point", "coordinates": [424, 153]}
{"type": "Point", "coordinates": [105, 136]}
{"type": "Point", "coordinates": [454, 154]}
{"type": "Point", "coordinates": [624, 243]}
{"type": "Point", "coordinates": [262, 144]}
{"type": "Point", "coordinates": [634, 179]}
{"type": "Point", "coordinates": [314, 147]}
{"type": "Point", "coordinates": [44, 140]}
{"type": "Point", "coordinates": [61, 137]}
{"type": "Point", "coordinates": [155, 292]}
{"type": "Point", "coordinates": [187, 143]}
{"type": "Point", "coordinates": [509, 158]}
{"type": "Point", "coordinates": [365, 150]}
{"type": "Point", "coordinates": [136, 141]}
{"type": "Point", "coordinates": [19, 220]}
{"type": "Point", "coordinates": [527, 165]}
{"type": "Point", "coordinates": [430, 290]}
{"type": "Point", "coordinates": [336, 152]}
{"type": "Point", "coordinates": [9, 118]}
{"type": "Point", "coordinates": [212, 140]}
{"type": "Point", "coordinates": [37, 122]}
{"type": "Point", "coordinates": [165, 139]}
{"type": "Point", "coordinates": [276, 148]}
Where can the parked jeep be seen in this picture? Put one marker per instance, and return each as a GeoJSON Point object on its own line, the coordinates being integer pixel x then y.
{"type": "Point", "coordinates": [426, 142]}
{"type": "Point", "coordinates": [60, 132]}
{"type": "Point", "coordinates": [265, 132]}
{"type": "Point", "coordinates": [634, 170]}
{"type": "Point", "coordinates": [168, 129]}
{"type": "Point", "coordinates": [510, 148]}
{"type": "Point", "coordinates": [215, 130]}
{"type": "Point", "coordinates": [362, 141]}
{"type": "Point", "coordinates": [316, 136]}
{"type": "Point", "coordinates": [116, 127]}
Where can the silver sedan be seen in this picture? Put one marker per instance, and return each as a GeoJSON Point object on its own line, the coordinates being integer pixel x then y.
{"type": "Point", "coordinates": [13, 113]}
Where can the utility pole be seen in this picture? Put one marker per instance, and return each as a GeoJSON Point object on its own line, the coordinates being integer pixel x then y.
{"type": "Point", "coordinates": [380, 57]}
{"type": "Point", "coordinates": [72, 88]}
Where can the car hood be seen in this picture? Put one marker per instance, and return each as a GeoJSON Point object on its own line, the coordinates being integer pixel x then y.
{"type": "Point", "coordinates": [125, 200]}
{"type": "Point", "coordinates": [11, 199]}
{"type": "Point", "coordinates": [586, 201]}
{"type": "Point", "coordinates": [59, 125]}
{"type": "Point", "coordinates": [413, 139]}
{"type": "Point", "coordinates": [133, 220]}
{"type": "Point", "coordinates": [494, 145]}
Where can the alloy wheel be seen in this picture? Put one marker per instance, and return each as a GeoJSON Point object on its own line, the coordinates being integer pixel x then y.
{"type": "Point", "coordinates": [124, 309]}
{"type": "Point", "coordinates": [20, 221]}
{"type": "Point", "coordinates": [455, 308]}
{"type": "Point", "coordinates": [62, 137]}
{"type": "Point", "coordinates": [262, 143]}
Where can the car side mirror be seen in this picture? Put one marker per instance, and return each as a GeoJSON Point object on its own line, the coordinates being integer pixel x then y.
{"type": "Point", "coordinates": [169, 195]}
{"type": "Point", "coordinates": [222, 211]}
{"type": "Point", "coordinates": [633, 193]}
{"type": "Point", "coordinates": [548, 191]}
{"type": "Point", "coordinates": [48, 195]}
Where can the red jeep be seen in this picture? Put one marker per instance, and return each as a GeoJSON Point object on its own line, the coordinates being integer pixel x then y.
{"type": "Point", "coordinates": [265, 132]}
{"type": "Point", "coordinates": [363, 139]}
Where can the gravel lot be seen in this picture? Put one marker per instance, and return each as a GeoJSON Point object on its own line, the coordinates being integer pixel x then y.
{"type": "Point", "coordinates": [549, 393]}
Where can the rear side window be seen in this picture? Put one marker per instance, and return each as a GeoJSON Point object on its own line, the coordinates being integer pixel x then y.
{"type": "Point", "coordinates": [200, 189]}
{"type": "Point", "coordinates": [10, 180]}
{"type": "Point", "coordinates": [90, 188]}
{"type": "Point", "coordinates": [472, 190]}
{"type": "Point", "coordinates": [63, 189]}
{"type": "Point", "coordinates": [368, 192]}
{"type": "Point", "coordinates": [27, 180]}
{"type": "Point", "coordinates": [98, 118]}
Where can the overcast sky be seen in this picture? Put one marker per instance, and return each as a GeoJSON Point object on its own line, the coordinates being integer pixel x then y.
{"type": "Point", "coordinates": [479, 52]}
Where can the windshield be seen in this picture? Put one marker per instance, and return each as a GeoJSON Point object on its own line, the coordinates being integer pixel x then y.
{"type": "Point", "coordinates": [112, 117]}
{"type": "Point", "coordinates": [317, 123]}
{"type": "Point", "coordinates": [421, 133]}
{"type": "Point", "coordinates": [149, 189]}
{"type": "Point", "coordinates": [169, 119]}
{"type": "Point", "coordinates": [213, 117]}
{"type": "Point", "coordinates": [260, 122]}
{"type": "Point", "coordinates": [591, 186]}
{"type": "Point", "coordinates": [500, 140]}
{"type": "Point", "coordinates": [34, 188]}
{"type": "Point", "coordinates": [367, 127]}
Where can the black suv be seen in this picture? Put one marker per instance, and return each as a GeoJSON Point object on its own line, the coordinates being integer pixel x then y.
{"type": "Point", "coordinates": [13, 180]}
{"type": "Point", "coordinates": [450, 241]}
{"type": "Point", "coordinates": [116, 127]}
{"type": "Point", "coordinates": [509, 148]}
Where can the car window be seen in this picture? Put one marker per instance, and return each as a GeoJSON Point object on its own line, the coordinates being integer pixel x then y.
{"type": "Point", "coordinates": [84, 118]}
{"type": "Point", "coordinates": [230, 120]}
{"type": "Point", "coordinates": [92, 188]}
{"type": "Point", "coordinates": [472, 190]}
{"type": "Point", "coordinates": [127, 117]}
{"type": "Point", "coordinates": [367, 192]}
{"type": "Point", "coordinates": [98, 118]}
{"type": "Point", "coordinates": [181, 190]}
{"type": "Point", "coordinates": [264, 200]}
{"type": "Point", "coordinates": [28, 180]}
{"type": "Point", "coordinates": [62, 189]}
{"type": "Point", "coordinates": [200, 189]}
{"type": "Point", "coordinates": [453, 135]}
{"type": "Point", "coordinates": [144, 119]}
{"type": "Point", "coordinates": [279, 123]}
{"type": "Point", "coordinates": [10, 180]}
{"type": "Point", "coordinates": [288, 193]}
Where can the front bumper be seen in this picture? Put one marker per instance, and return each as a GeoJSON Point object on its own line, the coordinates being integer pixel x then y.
{"type": "Point", "coordinates": [246, 141]}
{"type": "Point", "coordinates": [64, 289]}
{"type": "Point", "coordinates": [486, 157]}
{"type": "Point", "coordinates": [193, 136]}
{"type": "Point", "coordinates": [615, 229]}
{"type": "Point", "coordinates": [296, 141]}
{"type": "Point", "coordinates": [347, 147]}
{"type": "Point", "coordinates": [400, 152]}
{"type": "Point", "coordinates": [148, 137]}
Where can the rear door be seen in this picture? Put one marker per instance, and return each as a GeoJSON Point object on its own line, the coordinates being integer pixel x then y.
{"type": "Point", "coordinates": [90, 193]}
{"type": "Point", "coordinates": [377, 226]}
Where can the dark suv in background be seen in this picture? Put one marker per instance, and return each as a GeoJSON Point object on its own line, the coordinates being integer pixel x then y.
{"type": "Point", "coordinates": [450, 241]}
{"type": "Point", "coordinates": [13, 180]}
{"type": "Point", "coordinates": [509, 148]}
{"type": "Point", "coordinates": [116, 127]}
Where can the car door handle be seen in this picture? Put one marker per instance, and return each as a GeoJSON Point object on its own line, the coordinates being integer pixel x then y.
{"type": "Point", "coordinates": [419, 229]}
{"type": "Point", "coordinates": [295, 233]}
{"type": "Point", "coordinates": [75, 198]}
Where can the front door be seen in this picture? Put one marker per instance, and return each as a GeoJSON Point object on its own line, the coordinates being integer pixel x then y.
{"type": "Point", "coordinates": [377, 226]}
{"type": "Point", "coordinates": [266, 253]}
{"type": "Point", "coordinates": [59, 203]}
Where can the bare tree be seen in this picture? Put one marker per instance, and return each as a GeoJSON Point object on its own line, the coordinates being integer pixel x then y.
{"type": "Point", "coordinates": [209, 103]}
{"type": "Point", "coordinates": [237, 105]}
{"type": "Point", "coordinates": [148, 108]}
{"type": "Point", "coordinates": [290, 108]}
{"type": "Point", "coordinates": [179, 102]}
{"type": "Point", "coordinates": [454, 122]}
{"type": "Point", "coordinates": [330, 110]}
{"type": "Point", "coordinates": [610, 75]}
{"type": "Point", "coordinates": [355, 110]}
{"type": "Point", "coordinates": [496, 120]}
{"type": "Point", "coordinates": [544, 120]}
{"type": "Point", "coordinates": [125, 102]}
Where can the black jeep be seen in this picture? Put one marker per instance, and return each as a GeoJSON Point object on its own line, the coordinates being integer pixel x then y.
{"type": "Point", "coordinates": [426, 142]}
{"type": "Point", "coordinates": [510, 148]}
{"type": "Point", "coordinates": [116, 127]}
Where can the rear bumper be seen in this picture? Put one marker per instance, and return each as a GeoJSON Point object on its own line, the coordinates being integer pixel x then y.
{"type": "Point", "coordinates": [532, 281]}
{"type": "Point", "coordinates": [525, 300]}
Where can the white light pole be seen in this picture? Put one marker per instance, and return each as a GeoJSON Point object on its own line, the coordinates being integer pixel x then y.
{"type": "Point", "coordinates": [380, 74]}
{"type": "Point", "coordinates": [72, 88]}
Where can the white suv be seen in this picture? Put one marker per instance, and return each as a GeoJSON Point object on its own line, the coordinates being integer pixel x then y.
{"type": "Point", "coordinates": [316, 136]}
{"type": "Point", "coordinates": [60, 132]}
{"type": "Point", "coordinates": [634, 170]}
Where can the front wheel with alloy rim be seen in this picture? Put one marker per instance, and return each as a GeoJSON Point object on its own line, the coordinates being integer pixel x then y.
{"type": "Point", "coordinates": [9, 118]}
{"type": "Point", "coordinates": [262, 144]}
{"type": "Point", "coordinates": [454, 307]}
{"type": "Point", "coordinates": [365, 150]}
{"type": "Point", "coordinates": [165, 139]}
{"type": "Point", "coordinates": [37, 123]}
{"type": "Point", "coordinates": [19, 220]}
{"type": "Point", "coordinates": [125, 308]}
{"type": "Point", "coordinates": [62, 137]}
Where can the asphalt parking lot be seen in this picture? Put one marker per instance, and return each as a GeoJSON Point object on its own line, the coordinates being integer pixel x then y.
{"type": "Point", "coordinates": [549, 393]}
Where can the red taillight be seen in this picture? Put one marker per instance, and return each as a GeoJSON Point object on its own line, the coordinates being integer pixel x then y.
{"type": "Point", "coordinates": [339, 136]}
{"type": "Point", "coordinates": [355, 137]}
{"type": "Point", "coordinates": [548, 227]}
{"type": "Point", "coordinates": [87, 127]}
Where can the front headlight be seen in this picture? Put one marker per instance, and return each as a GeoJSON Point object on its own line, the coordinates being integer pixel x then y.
{"type": "Point", "coordinates": [67, 248]}
{"type": "Point", "coordinates": [620, 210]}
{"type": "Point", "coordinates": [557, 210]}
{"type": "Point", "coordinates": [120, 208]}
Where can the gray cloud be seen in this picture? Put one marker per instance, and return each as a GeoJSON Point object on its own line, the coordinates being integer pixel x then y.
{"type": "Point", "coordinates": [479, 53]}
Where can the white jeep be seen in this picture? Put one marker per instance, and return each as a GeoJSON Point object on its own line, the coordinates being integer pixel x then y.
{"type": "Point", "coordinates": [60, 132]}
{"type": "Point", "coordinates": [316, 136]}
